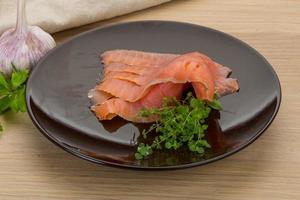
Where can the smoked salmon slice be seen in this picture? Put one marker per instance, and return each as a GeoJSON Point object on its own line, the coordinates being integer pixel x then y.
{"type": "Point", "coordinates": [183, 69]}
{"type": "Point", "coordinates": [136, 58]}
{"type": "Point", "coordinates": [223, 84]}
{"type": "Point", "coordinates": [133, 80]}
{"type": "Point", "coordinates": [136, 62]}
{"type": "Point", "coordinates": [130, 110]}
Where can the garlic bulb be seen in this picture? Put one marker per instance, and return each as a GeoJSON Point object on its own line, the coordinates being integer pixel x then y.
{"type": "Point", "coordinates": [23, 45]}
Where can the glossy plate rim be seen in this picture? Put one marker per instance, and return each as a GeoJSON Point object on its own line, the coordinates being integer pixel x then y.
{"type": "Point", "coordinates": [73, 152]}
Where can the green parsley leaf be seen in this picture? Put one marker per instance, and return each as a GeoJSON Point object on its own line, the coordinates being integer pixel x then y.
{"type": "Point", "coordinates": [18, 103]}
{"type": "Point", "coordinates": [12, 91]}
{"type": "Point", "coordinates": [3, 82]}
{"type": "Point", "coordinates": [18, 78]}
{"type": "Point", "coordinates": [4, 104]}
{"type": "Point", "coordinates": [3, 92]}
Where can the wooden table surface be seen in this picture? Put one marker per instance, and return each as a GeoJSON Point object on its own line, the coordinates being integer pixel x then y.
{"type": "Point", "coordinates": [31, 167]}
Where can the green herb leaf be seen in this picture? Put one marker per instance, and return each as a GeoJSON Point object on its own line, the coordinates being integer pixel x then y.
{"type": "Point", "coordinates": [12, 91]}
{"type": "Point", "coordinates": [3, 92]}
{"type": "Point", "coordinates": [143, 151]}
{"type": "Point", "coordinates": [179, 123]}
{"type": "Point", "coordinates": [215, 104]}
{"type": "Point", "coordinates": [4, 104]}
{"type": "Point", "coordinates": [18, 103]}
{"type": "Point", "coordinates": [18, 78]}
{"type": "Point", "coordinates": [3, 82]}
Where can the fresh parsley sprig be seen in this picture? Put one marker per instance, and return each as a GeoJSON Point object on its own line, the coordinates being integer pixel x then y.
{"type": "Point", "coordinates": [12, 91]}
{"type": "Point", "coordinates": [179, 123]}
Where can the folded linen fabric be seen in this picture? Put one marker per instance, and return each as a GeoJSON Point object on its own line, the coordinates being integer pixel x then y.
{"type": "Point", "coordinates": [57, 15]}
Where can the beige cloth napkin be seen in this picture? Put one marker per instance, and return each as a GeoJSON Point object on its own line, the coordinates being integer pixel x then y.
{"type": "Point", "coordinates": [57, 15]}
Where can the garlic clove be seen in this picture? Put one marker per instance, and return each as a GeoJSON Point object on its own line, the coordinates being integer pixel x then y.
{"type": "Point", "coordinates": [24, 45]}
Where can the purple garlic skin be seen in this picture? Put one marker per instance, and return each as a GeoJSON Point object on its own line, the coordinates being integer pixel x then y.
{"type": "Point", "coordinates": [24, 45]}
{"type": "Point", "coordinates": [23, 49]}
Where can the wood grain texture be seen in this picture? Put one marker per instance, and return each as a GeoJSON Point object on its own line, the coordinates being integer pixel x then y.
{"type": "Point", "coordinates": [31, 167]}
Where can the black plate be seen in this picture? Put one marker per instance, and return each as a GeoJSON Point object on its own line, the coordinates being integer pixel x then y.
{"type": "Point", "coordinates": [58, 104]}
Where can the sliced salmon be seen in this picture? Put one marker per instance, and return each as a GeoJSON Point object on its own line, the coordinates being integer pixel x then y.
{"type": "Point", "coordinates": [183, 69]}
{"type": "Point", "coordinates": [120, 67]}
{"type": "Point", "coordinates": [98, 97]}
{"type": "Point", "coordinates": [136, 58]}
{"type": "Point", "coordinates": [123, 61]}
{"type": "Point", "coordinates": [222, 83]}
{"type": "Point", "coordinates": [134, 80]}
{"type": "Point", "coordinates": [130, 110]}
